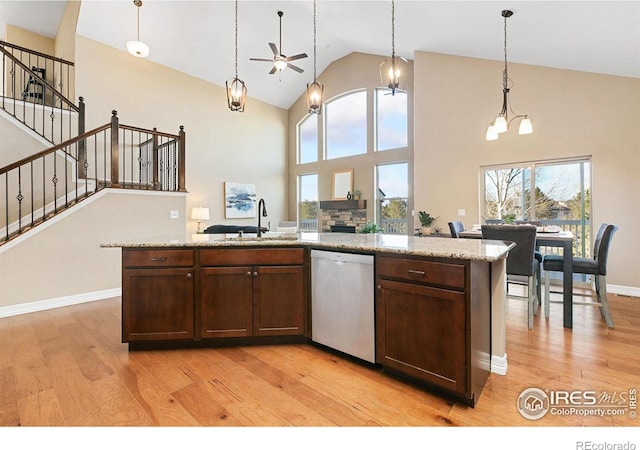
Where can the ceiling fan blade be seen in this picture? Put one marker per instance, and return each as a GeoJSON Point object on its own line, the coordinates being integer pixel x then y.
{"type": "Point", "coordinates": [294, 57]}
{"type": "Point", "coordinates": [274, 70]}
{"type": "Point", "coordinates": [297, 69]}
{"type": "Point", "coordinates": [274, 49]}
{"type": "Point", "coordinates": [260, 59]}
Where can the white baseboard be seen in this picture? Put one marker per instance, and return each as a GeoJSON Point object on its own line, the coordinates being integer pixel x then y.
{"type": "Point", "coordinates": [499, 364]}
{"type": "Point", "coordinates": [42, 305]}
{"type": "Point", "coordinates": [623, 290]}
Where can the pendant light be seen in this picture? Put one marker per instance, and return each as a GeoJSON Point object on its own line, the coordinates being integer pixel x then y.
{"type": "Point", "coordinates": [314, 89]}
{"type": "Point", "coordinates": [236, 89]}
{"type": "Point", "coordinates": [138, 48]}
{"type": "Point", "coordinates": [502, 122]}
{"type": "Point", "coordinates": [392, 69]}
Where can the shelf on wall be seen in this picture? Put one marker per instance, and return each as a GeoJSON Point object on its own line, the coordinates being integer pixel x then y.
{"type": "Point", "coordinates": [343, 204]}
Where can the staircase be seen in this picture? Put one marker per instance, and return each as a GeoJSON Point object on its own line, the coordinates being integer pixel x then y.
{"type": "Point", "coordinates": [78, 164]}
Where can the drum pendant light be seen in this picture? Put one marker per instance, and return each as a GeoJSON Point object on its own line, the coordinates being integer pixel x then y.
{"type": "Point", "coordinates": [138, 48]}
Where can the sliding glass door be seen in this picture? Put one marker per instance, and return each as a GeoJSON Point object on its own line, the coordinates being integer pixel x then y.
{"type": "Point", "coordinates": [555, 193]}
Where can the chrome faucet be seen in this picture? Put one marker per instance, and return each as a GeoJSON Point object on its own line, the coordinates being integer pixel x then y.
{"type": "Point", "coordinates": [261, 207]}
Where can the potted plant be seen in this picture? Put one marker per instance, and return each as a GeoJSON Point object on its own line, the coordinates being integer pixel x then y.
{"type": "Point", "coordinates": [426, 220]}
{"type": "Point", "coordinates": [370, 228]}
{"type": "Point", "coordinates": [355, 195]}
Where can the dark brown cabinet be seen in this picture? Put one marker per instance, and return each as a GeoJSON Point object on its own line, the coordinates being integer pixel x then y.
{"type": "Point", "coordinates": [157, 295]}
{"type": "Point", "coordinates": [263, 299]}
{"type": "Point", "coordinates": [195, 294]}
{"type": "Point", "coordinates": [433, 322]}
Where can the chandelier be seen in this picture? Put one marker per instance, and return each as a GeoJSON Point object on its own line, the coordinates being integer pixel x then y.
{"type": "Point", "coordinates": [392, 69]}
{"type": "Point", "coordinates": [314, 89]}
{"type": "Point", "coordinates": [502, 122]}
{"type": "Point", "coordinates": [236, 89]}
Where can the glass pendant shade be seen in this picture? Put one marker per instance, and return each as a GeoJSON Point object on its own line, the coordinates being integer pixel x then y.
{"type": "Point", "coordinates": [280, 65]}
{"type": "Point", "coordinates": [500, 124]}
{"type": "Point", "coordinates": [492, 134]}
{"type": "Point", "coordinates": [314, 97]}
{"type": "Point", "coordinates": [526, 127]}
{"type": "Point", "coordinates": [391, 72]}
{"type": "Point", "coordinates": [138, 49]}
{"type": "Point", "coordinates": [236, 94]}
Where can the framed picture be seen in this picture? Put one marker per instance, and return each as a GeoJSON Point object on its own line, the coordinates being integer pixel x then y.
{"type": "Point", "coordinates": [240, 200]}
{"type": "Point", "coordinates": [341, 184]}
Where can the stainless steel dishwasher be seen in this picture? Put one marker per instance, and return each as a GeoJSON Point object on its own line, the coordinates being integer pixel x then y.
{"type": "Point", "coordinates": [342, 302]}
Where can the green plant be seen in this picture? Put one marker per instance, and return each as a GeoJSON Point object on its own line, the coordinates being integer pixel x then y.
{"type": "Point", "coordinates": [425, 219]}
{"type": "Point", "coordinates": [371, 228]}
{"type": "Point", "coordinates": [509, 218]}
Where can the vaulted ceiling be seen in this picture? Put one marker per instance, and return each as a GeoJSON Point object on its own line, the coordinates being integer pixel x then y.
{"type": "Point", "coordinates": [197, 37]}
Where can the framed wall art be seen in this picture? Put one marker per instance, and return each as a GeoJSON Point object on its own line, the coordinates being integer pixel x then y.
{"type": "Point", "coordinates": [240, 200]}
{"type": "Point", "coordinates": [341, 184]}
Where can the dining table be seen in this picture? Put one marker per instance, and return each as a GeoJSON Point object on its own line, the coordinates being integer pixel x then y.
{"type": "Point", "coordinates": [560, 239]}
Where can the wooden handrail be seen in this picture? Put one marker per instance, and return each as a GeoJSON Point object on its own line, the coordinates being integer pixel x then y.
{"type": "Point", "coordinates": [60, 146]}
{"type": "Point", "coordinates": [40, 80]}
{"type": "Point", "coordinates": [33, 52]}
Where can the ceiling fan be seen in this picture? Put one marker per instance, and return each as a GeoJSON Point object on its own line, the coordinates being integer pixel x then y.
{"type": "Point", "coordinates": [280, 61]}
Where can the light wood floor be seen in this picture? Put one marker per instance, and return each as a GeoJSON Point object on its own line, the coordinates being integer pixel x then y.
{"type": "Point", "coordinates": [67, 367]}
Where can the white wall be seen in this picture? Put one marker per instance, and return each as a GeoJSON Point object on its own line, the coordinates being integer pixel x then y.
{"type": "Point", "coordinates": [63, 257]}
{"type": "Point", "coordinates": [247, 147]}
{"type": "Point", "coordinates": [574, 114]}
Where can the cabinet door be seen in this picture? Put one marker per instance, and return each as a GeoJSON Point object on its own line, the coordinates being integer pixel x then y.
{"type": "Point", "coordinates": [226, 301]}
{"type": "Point", "coordinates": [278, 301]}
{"type": "Point", "coordinates": [421, 332]}
{"type": "Point", "coordinates": [157, 304]}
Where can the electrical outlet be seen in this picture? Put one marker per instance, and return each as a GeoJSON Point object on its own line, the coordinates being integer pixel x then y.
{"type": "Point", "coordinates": [462, 213]}
{"type": "Point", "coordinates": [173, 214]}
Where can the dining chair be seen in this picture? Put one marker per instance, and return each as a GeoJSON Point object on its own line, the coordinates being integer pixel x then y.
{"type": "Point", "coordinates": [538, 254]}
{"type": "Point", "coordinates": [456, 227]}
{"type": "Point", "coordinates": [522, 266]}
{"type": "Point", "coordinates": [595, 266]}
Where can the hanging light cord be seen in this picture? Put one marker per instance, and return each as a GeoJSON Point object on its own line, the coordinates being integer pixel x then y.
{"type": "Point", "coordinates": [393, 29]}
{"type": "Point", "coordinates": [236, 38]}
{"type": "Point", "coordinates": [505, 76]}
{"type": "Point", "coordinates": [138, 5]}
{"type": "Point", "coordinates": [314, 40]}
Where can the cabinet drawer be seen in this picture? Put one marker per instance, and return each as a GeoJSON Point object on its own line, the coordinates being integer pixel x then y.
{"type": "Point", "coordinates": [428, 272]}
{"type": "Point", "coordinates": [157, 258]}
{"type": "Point", "coordinates": [251, 257]}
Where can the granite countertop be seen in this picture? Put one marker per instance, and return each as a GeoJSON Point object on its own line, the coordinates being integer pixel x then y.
{"type": "Point", "coordinates": [472, 249]}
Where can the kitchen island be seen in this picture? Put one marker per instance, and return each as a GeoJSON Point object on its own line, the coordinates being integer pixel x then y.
{"type": "Point", "coordinates": [439, 303]}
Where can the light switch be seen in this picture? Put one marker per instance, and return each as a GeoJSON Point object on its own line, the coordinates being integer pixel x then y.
{"type": "Point", "coordinates": [173, 214]}
{"type": "Point", "coordinates": [461, 212]}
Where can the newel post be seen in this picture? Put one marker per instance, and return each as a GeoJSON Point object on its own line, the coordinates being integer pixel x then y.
{"type": "Point", "coordinates": [82, 145]}
{"type": "Point", "coordinates": [182, 143]}
{"type": "Point", "coordinates": [115, 150]}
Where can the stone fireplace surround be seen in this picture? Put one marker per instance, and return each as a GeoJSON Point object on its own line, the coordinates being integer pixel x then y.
{"type": "Point", "coordinates": [343, 212]}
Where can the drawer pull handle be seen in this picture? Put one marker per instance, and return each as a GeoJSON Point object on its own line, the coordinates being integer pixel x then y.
{"type": "Point", "coordinates": [188, 275]}
{"type": "Point", "coordinates": [417, 272]}
{"type": "Point", "coordinates": [249, 274]}
{"type": "Point", "coordinates": [160, 259]}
